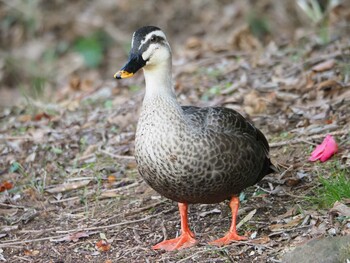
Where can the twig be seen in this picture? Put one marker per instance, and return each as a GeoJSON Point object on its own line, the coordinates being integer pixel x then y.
{"type": "Point", "coordinates": [136, 211]}
{"type": "Point", "coordinates": [303, 140]}
{"type": "Point", "coordinates": [10, 243]}
{"type": "Point", "coordinates": [10, 138]}
{"type": "Point", "coordinates": [109, 226]}
{"type": "Point", "coordinates": [117, 156]}
{"type": "Point", "coordinates": [12, 206]}
{"type": "Point", "coordinates": [313, 60]}
{"type": "Point", "coordinates": [223, 248]}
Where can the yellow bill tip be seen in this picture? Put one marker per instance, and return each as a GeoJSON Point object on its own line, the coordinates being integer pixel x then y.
{"type": "Point", "coordinates": [122, 74]}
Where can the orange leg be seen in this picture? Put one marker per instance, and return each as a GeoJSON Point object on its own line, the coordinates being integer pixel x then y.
{"type": "Point", "coordinates": [232, 234]}
{"type": "Point", "coordinates": [186, 239]}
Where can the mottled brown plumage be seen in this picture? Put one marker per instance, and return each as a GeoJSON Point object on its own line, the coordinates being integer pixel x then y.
{"type": "Point", "coordinates": [198, 155]}
{"type": "Point", "coordinates": [190, 154]}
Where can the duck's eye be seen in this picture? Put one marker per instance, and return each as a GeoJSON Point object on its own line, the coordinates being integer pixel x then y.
{"type": "Point", "coordinates": [153, 39]}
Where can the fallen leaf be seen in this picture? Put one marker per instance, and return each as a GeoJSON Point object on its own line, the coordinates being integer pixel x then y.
{"type": "Point", "coordinates": [25, 118]}
{"type": "Point", "coordinates": [340, 209]}
{"type": "Point", "coordinates": [323, 66]}
{"type": "Point", "coordinates": [292, 223]}
{"type": "Point", "coordinates": [253, 103]}
{"type": "Point", "coordinates": [109, 194]}
{"type": "Point", "coordinates": [5, 185]}
{"type": "Point", "coordinates": [8, 212]}
{"type": "Point", "coordinates": [292, 181]}
{"type": "Point", "coordinates": [68, 187]}
{"type": "Point", "coordinates": [111, 179]}
{"type": "Point", "coordinates": [41, 116]}
{"type": "Point", "coordinates": [261, 240]}
{"type": "Point", "coordinates": [28, 252]}
{"type": "Point", "coordinates": [289, 213]}
{"type": "Point", "coordinates": [75, 83]}
{"type": "Point", "coordinates": [214, 211]}
{"type": "Point", "coordinates": [103, 245]}
{"type": "Point", "coordinates": [243, 39]}
{"type": "Point", "coordinates": [325, 150]}
{"type": "Point", "coordinates": [193, 42]}
{"type": "Point", "coordinates": [246, 218]}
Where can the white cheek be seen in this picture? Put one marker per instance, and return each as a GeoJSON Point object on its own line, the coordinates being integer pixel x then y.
{"type": "Point", "coordinates": [148, 53]}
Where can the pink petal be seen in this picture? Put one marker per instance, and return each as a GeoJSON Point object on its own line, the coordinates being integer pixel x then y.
{"type": "Point", "coordinates": [325, 150]}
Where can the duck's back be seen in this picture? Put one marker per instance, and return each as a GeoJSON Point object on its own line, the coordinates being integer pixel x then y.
{"type": "Point", "coordinates": [217, 154]}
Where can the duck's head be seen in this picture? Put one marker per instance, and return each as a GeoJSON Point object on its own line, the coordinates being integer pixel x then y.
{"type": "Point", "coordinates": [149, 48]}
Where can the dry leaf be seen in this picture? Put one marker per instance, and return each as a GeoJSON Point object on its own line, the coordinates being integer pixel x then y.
{"type": "Point", "coordinates": [111, 179]}
{"type": "Point", "coordinates": [24, 118]}
{"type": "Point", "coordinates": [8, 213]}
{"type": "Point", "coordinates": [253, 103]}
{"type": "Point", "coordinates": [5, 185]}
{"type": "Point", "coordinates": [193, 42]}
{"type": "Point", "coordinates": [75, 83]}
{"type": "Point", "coordinates": [41, 116]}
{"type": "Point", "coordinates": [292, 223]}
{"type": "Point", "coordinates": [243, 39]}
{"type": "Point", "coordinates": [323, 66]}
{"type": "Point", "coordinates": [68, 187]}
{"type": "Point", "coordinates": [103, 245]}
{"type": "Point", "coordinates": [289, 213]}
{"type": "Point", "coordinates": [214, 211]}
{"type": "Point", "coordinates": [31, 252]}
{"type": "Point", "coordinates": [340, 209]}
{"type": "Point", "coordinates": [261, 240]}
{"type": "Point", "coordinates": [246, 218]}
{"type": "Point", "coordinates": [109, 194]}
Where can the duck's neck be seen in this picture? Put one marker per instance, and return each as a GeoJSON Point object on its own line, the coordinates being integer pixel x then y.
{"type": "Point", "coordinates": [159, 82]}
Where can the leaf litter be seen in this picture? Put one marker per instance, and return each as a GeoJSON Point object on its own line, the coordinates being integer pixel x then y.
{"type": "Point", "coordinates": [72, 172]}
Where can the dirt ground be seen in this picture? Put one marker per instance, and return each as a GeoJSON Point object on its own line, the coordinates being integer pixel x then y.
{"type": "Point", "coordinates": [70, 190]}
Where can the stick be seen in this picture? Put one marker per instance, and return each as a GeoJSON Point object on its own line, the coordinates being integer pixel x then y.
{"type": "Point", "coordinates": [302, 140]}
{"type": "Point", "coordinates": [109, 226]}
{"type": "Point", "coordinates": [117, 156]}
{"type": "Point", "coordinates": [10, 243]}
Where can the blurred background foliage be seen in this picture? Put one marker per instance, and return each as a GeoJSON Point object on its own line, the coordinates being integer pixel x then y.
{"type": "Point", "coordinates": [44, 44]}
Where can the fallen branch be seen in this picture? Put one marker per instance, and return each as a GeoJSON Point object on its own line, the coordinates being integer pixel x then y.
{"type": "Point", "coordinates": [117, 156]}
{"type": "Point", "coordinates": [303, 140]}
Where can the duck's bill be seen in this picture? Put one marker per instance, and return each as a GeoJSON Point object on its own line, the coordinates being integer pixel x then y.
{"type": "Point", "coordinates": [123, 74]}
{"type": "Point", "coordinates": [131, 67]}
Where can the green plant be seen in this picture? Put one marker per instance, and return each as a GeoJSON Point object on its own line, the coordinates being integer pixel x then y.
{"type": "Point", "coordinates": [312, 9]}
{"type": "Point", "coordinates": [92, 47]}
{"type": "Point", "coordinates": [333, 187]}
{"type": "Point", "coordinates": [258, 25]}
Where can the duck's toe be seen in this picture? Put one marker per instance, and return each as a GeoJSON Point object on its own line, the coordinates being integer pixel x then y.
{"type": "Point", "coordinates": [227, 239]}
{"type": "Point", "coordinates": [183, 241]}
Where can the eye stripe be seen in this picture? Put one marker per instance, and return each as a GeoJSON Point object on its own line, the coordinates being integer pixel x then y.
{"type": "Point", "coordinates": [147, 38]}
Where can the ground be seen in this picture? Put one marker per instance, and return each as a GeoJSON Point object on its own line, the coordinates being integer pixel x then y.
{"type": "Point", "coordinates": [70, 190]}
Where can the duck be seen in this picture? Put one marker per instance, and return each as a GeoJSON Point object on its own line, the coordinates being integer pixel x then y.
{"type": "Point", "coordinates": [189, 154]}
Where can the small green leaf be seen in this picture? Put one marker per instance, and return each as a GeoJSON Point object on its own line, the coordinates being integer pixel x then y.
{"type": "Point", "coordinates": [91, 49]}
{"type": "Point", "coordinates": [56, 150]}
{"type": "Point", "coordinates": [108, 104]}
{"type": "Point", "coordinates": [242, 196]}
{"type": "Point", "coordinates": [15, 166]}
{"type": "Point", "coordinates": [103, 236]}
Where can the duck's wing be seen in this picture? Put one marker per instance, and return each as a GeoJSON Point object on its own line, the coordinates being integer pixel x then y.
{"type": "Point", "coordinates": [228, 121]}
{"type": "Point", "coordinates": [223, 120]}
